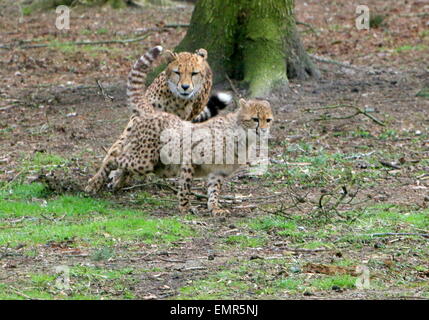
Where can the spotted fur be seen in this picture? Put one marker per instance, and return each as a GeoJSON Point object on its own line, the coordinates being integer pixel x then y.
{"type": "Point", "coordinates": [138, 150]}
{"type": "Point", "coordinates": [183, 88]}
{"type": "Point", "coordinates": [137, 78]}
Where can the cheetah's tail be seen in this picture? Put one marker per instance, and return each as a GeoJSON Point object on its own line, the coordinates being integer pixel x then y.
{"type": "Point", "coordinates": [137, 76]}
{"type": "Point", "coordinates": [216, 103]}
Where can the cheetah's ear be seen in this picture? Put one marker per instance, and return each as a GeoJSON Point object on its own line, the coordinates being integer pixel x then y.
{"type": "Point", "coordinates": [169, 56]}
{"type": "Point", "coordinates": [202, 52]}
{"type": "Point", "coordinates": [266, 103]}
{"type": "Point", "coordinates": [242, 103]}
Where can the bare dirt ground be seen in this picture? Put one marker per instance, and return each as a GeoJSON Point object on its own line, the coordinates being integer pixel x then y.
{"type": "Point", "coordinates": [50, 103]}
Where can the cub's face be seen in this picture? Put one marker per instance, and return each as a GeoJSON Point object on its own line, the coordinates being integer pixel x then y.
{"type": "Point", "coordinates": [186, 72]}
{"type": "Point", "coordinates": [256, 114]}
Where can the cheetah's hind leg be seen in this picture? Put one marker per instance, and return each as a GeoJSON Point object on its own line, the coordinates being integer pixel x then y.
{"type": "Point", "coordinates": [214, 186]}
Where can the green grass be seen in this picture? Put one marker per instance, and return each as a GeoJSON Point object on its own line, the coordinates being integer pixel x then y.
{"type": "Point", "coordinates": [106, 230]}
{"type": "Point", "coordinates": [318, 168]}
{"type": "Point", "coordinates": [261, 279]}
{"type": "Point", "coordinates": [244, 241]}
{"type": "Point", "coordinates": [101, 31]}
{"type": "Point", "coordinates": [36, 163]}
{"type": "Point", "coordinates": [30, 217]}
{"type": "Point", "coordinates": [423, 93]}
{"type": "Point", "coordinates": [408, 47]}
{"type": "Point", "coordinates": [94, 221]}
{"type": "Point", "coordinates": [85, 283]}
{"type": "Point", "coordinates": [328, 282]}
{"type": "Point", "coordinates": [289, 284]}
{"type": "Point", "coordinates": [313, 233]}
{"type": "Point", "coordinates": [391, 218]}
{"type": "Point", "coordinates": [222, 285]}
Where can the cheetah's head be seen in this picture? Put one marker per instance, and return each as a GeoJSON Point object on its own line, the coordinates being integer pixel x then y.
{"type": "Point", "coordinates": [255, 114]}
{"type": "Point", "coordinates": [187, 72]}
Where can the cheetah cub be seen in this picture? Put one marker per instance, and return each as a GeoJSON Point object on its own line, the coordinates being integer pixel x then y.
{"type": "Point", "coordinates": [163, 144]}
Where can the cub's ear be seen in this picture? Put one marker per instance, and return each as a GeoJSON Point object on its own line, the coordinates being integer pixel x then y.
{"type": "Point", "coordinates": [266, 103]}
{"type": "Point", "coordinates": [242, 103]}
{"type": "Point", "coordinates": [169, 56]}
{"type": "Point", "coordinates": [202, 52]}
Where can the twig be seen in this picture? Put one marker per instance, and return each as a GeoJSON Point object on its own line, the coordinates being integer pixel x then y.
{"type": "Point", "coordinates": [337, 106]}
{"type": "Point", "coordinates": [170, 260]}
{"type": "Point", "coordinates": [417, 14]}
{"type": "Point", "coordinates": [192, 268]}
{"type": "Point", "coordinates": [19, 293]}
{"type": "Point", "coordinates": [305, 250]}
{"type": "Point", "coordinates": [103, 92]}
{"type": "Point", "coordinates": [341, 64]}
{"type": "Point", "coordinates": [386, 234]}
{"type": "Point", "coordinates": [7, 107]}
{"type": "Point", "coordinates": [309, 26]}
{"type": "Point", "coordinates": [162, 28]}
{"type": "Point", "coordinates": [237, 93]}
{"type": "Point", "coordinates": [52, 219]}
{"type": "Point", "coordinates": [72, 43]}
{"type": "Point", "coordinates": [389, 164]}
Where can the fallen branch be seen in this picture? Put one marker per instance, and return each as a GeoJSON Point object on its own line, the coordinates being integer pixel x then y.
{"type": "Point", "coordinates": [19, 293]}
{"type": "Point", "coordinates": [338, 63]}
{"type": "Point", "coordinates": [103, 92]}
{"type": "Point", "coordinates": [388, 234]}
{"type": "Point", "coordinates": [417, 14]}
{"type": "Point", "coordinates": [52, 219]}
{"type": "Point", "coordinates": [303, 250]}
{"type": "Point", "coordinates": [7, 107]}
{"type": "Point", "coordinates": [390, 165]}
{"type": "Point", "coordinates": [73, 43]}
{"type": "Point", "coordinates": [338, 106]}
{"type": "Point", "coordinates": [162, 28]}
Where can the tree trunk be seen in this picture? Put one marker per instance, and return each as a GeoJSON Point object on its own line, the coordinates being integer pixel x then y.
{"type": "Point", "coordinates": [251, 40]}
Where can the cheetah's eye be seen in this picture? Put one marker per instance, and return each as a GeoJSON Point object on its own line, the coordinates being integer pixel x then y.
{"type": "Point", "coordinates": [255, 119]}
{"type": "Point", "coordinates": [269, 120]}
{"type": "Point", "coordinates": [176, 72]}
{"type": "Point", "coordinates": [194, 73]}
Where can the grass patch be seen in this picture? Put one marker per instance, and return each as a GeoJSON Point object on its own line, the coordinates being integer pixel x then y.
{"type": "Point", "coordinates": [97, 233]}
{"type": "Point", "coordinates": [330, 282]}
{"type": "Point", "coordinates": [99, 222]}
{"type": "Point", "coordinates": [222, 285]}
{"type": "Point", "coordinates": [308, 167]}
{"type": "Point", "coordinates": [244, 241]}
{"type": "Point", "coordinates": [408, 47]}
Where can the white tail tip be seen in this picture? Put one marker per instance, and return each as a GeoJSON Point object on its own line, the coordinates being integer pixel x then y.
{"type": "Point", "coordinates": [159, 48]}
{"type": "Point", "coordinates": [224, 97]}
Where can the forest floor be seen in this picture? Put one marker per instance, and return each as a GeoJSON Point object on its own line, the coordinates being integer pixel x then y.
{"type": "Point", "coordinates": [342, 213]}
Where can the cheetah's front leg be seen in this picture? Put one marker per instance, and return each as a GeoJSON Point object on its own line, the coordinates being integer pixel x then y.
{"type": "Point", "coordinates": [102, 175]}
{"type": "Point", "coordinates": [184, 194]}
{"type": "Point", "coordinates": [118, 179]}
{"type": "Point", "coordinates": [214, 185]}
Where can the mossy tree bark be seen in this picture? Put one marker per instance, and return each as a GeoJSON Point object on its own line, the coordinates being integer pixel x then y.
{"type": "Point", "coordinates": [251, 40]}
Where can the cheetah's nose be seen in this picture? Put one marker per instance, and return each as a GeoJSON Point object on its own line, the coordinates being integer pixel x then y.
{"type": "Point", "coordinates": [185, 86]}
